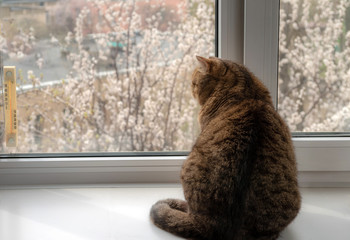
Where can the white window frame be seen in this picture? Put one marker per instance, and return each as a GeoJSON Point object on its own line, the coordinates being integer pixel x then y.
{"type": "Point", "coordinates": [247, 33]}
{"type": "Point", "coordinates": [322, 161]}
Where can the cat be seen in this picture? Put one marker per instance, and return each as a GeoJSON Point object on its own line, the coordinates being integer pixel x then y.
{"type": "Point", "coordinates": [240, 179]}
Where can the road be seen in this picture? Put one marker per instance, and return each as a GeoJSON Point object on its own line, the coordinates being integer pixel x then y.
{"type": "Point", "coordinates": [55, 67]}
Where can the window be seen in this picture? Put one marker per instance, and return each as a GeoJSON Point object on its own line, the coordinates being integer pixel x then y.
{"type": "Point", "coordinates": [323, 159]}
{"type": "Point", "coordinates": [101, 76]}
{"type": "Point", "coordinates": [248, 32]}
{"type": "Point", "coordinates": [313, 65]}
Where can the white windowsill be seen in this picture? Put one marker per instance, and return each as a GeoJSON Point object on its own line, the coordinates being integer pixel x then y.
{"type": "Point", "coordinates": [122, 212]}
{"type": "Point", "coordinates": [322, 162]}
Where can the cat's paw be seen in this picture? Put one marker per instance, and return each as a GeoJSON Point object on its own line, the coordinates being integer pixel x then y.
{"type": "Point", "coordinates": [177, 204]}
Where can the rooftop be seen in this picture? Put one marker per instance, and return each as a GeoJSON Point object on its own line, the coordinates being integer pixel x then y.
{"type": "Point", "coordinates": [24, 1]}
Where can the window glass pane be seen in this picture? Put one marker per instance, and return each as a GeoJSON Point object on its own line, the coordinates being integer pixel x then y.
{"type": "Point", "coordinates": [314, 65]}
{"type": "Point", "coordinates": [101, 75]}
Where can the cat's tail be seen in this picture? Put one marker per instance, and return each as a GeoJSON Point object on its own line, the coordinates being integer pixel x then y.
{"type": "Point", "coordinates": [172, 216]}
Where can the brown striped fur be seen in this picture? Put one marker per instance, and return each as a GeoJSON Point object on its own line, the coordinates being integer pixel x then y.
{"type": "Point", "coordinates": [240, 179]}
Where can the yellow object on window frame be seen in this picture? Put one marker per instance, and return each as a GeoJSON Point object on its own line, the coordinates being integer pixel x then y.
{"type": "Point", "coordinates": [10, 108]}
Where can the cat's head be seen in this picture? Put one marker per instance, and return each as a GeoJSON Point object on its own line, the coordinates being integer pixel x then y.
{"type": "Point", "coordinates": [215, 75]}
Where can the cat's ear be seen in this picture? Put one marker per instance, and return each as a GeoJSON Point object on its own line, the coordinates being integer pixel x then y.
{"type": "Point", "coordinates": [223, 73]}
{"type": "Point", "coordinates": [204, 64]}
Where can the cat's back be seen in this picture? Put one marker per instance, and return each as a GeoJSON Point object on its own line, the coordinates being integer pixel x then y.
{"type": "Point", "coordinates": [274, 198]}
{"type": "Point", "coordinates": [209, 174]}
{"type": "Point", "coordinates": [246, 150]}
{"type": "Point", "coordinates": [222, 158]}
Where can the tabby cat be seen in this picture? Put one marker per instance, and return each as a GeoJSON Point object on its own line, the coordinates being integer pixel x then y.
{"type": "Point", "coordinates": [240, 179]}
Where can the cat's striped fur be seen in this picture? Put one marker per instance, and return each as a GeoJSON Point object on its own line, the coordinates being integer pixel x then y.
{"type": "Point", "coordinates": [240, 179]}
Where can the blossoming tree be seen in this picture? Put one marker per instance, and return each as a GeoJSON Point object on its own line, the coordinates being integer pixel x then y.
{"type": "Point", "coordinates": [128, 87]}
{"type": "Point", "coordinates": [142, 101]}
{"type": "Point", "coordinates": [314, 66]}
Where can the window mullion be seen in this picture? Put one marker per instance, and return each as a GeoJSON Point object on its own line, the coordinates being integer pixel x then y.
{"type": "Point", "coordinates": [231, 29]}
{"type": "Point", "coordinates": [261, 20]}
